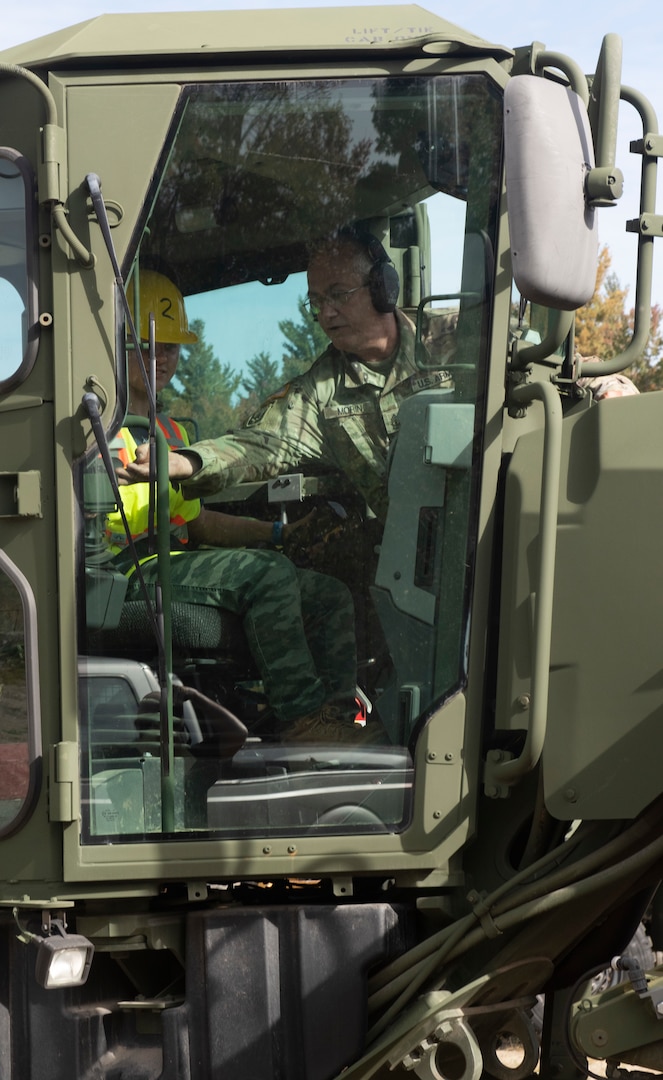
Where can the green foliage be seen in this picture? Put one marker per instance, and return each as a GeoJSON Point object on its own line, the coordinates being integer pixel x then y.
{"type": "Point", "coordinates": [304, 341]}
{"type": "Point", "coordinates": [275, 162]}
{"type": "Point", "coordinates": [263, 378]}
{"type": "Point", "coordinates": [217, 397]}
{"type": "Point", "coordinates": [602, 328]}
{"type": "Point", "coordinates": [203, 388]}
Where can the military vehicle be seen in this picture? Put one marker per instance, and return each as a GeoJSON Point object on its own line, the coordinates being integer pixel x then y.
{"type": "Point", "coordinates": [184, 891]}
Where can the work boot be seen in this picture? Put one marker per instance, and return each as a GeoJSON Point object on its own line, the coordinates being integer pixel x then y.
{"type": "Point", "coordinates": [329, 723]}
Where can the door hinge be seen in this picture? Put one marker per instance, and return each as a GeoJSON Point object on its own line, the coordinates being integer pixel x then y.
{"type": "Point", "coordinates": [64, 789]}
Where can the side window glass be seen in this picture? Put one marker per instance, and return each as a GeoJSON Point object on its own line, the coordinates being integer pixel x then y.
{"type": "Point", "coordinates": [18, 734]}
{"type": "Point", "coordinates": [18, 265]}
{"type": "Point", "coordinates": [532, 322]}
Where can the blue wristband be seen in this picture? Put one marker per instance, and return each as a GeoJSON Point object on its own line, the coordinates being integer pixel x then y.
{"type": "Point", "coordinates": [277, 534]}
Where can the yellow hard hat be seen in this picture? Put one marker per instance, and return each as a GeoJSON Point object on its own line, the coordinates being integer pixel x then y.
{"type": "Point", "coordinates": [158, 294]}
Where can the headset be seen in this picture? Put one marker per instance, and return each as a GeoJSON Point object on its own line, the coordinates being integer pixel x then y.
{"type": "Point", "coordinates": [383, 282]}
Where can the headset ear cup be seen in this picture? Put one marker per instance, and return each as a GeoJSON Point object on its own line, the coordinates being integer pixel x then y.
{"type": "Point", "coordinates": [384, 286]}
{"type": "Point", "coordinates": [383, 282]}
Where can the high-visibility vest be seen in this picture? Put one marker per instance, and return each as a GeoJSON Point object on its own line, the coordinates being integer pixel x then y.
{"type": "Point", "coordinates": [135, 497]}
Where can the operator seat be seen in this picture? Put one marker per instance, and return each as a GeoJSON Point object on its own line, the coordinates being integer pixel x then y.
{"type": "Point", "coordinates": [210, 650]}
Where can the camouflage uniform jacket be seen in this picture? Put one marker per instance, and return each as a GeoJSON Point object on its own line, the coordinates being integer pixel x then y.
{"type": "Point", "coordinates": [605, 386]}
{"type": "Point", "coordinates": [341, 413]}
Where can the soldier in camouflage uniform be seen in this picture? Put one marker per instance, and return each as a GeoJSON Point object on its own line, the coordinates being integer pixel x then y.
{"type": "Point", "coordinates": [343, 412]}
{"type": "Point", "coordinates": [607, 386]}
{"type": "Point", "coordinates": [299, 624]}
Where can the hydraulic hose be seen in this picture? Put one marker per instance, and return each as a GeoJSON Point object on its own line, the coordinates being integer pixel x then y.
{"type": "Point", "coordinates": [403, 977]}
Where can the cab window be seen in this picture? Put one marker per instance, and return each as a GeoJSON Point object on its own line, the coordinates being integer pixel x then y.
{"type": "Point", "coordinates": [18, 294]}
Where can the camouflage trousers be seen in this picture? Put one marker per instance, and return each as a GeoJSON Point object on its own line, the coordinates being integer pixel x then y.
{"type": "Point", "coordinates": [299, 624]}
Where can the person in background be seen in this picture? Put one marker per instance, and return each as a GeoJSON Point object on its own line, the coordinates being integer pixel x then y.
{"type": "Point", "coordinates": [608, 386]}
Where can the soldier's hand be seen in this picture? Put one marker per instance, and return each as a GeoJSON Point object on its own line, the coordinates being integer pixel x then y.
{"type": "Point", "coordinates": [306, 538]}
{"type": "Point", "coordinates": [179, 467]}
{"type": "Point", "coordinates": [304, 522]}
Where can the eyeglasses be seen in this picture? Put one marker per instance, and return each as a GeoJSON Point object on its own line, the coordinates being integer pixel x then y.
{"type": "Point", "coordinates": [337, 298]}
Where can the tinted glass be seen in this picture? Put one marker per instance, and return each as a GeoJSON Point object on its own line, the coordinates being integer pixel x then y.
{"type": "Point", "coordinates": [257, 177]}
{"type": "Point", "coordinates": [18, 320]}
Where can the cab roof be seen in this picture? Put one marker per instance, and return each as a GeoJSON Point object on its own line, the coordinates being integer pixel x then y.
{"type": "Point", "coordinates": [340, 31]}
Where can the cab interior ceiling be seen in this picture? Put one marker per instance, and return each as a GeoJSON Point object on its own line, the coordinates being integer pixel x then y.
{"type": "Point", "coordinates": [228, 213]}
{"type": "Point", "coordinates": [257, 228]}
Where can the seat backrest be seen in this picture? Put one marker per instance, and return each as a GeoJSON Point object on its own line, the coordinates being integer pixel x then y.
{"type": "Point", "coordinates": [199, 630]}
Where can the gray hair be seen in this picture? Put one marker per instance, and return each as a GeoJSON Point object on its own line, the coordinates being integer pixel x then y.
{"type": "Point", "coordinates": [341, 242]}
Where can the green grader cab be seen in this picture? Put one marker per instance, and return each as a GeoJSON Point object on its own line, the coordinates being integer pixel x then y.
{"type": "Point", "coordinates": [180, 902]}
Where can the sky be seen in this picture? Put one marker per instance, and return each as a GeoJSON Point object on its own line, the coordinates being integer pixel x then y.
{"type": "Point", "coordinates": [565, 26]}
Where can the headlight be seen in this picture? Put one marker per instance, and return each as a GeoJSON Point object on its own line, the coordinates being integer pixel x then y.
{"type": "Point", "coordinates": [63, 960]}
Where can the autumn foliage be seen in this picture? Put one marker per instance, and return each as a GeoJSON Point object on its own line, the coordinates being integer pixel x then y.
{"type": "Point", "coordinates": [604, 328]}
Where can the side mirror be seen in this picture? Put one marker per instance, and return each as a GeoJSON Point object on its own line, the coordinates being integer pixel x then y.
{"type": "Point", "coordinates": [549, 153]}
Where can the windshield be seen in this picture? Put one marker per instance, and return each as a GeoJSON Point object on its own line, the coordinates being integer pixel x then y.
{"type": "Point", "coordinates": [315, 265]}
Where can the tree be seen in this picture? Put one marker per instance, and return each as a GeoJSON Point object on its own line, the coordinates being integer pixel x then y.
{"type": "Point", "coordinates": [604, 328]}
{"type": "Point", "coordinates": [203, 388]}
{"type": "Point", "coordinates": [273, 164]}
{"type": "Point", "coordinates": [647, 372]}
{"type": "Point", "coordinates": [304, 341]}
{"type": "Point", "coordinates": [263, 378]}
{"type": "Point", "coordinates": [602, 324]}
